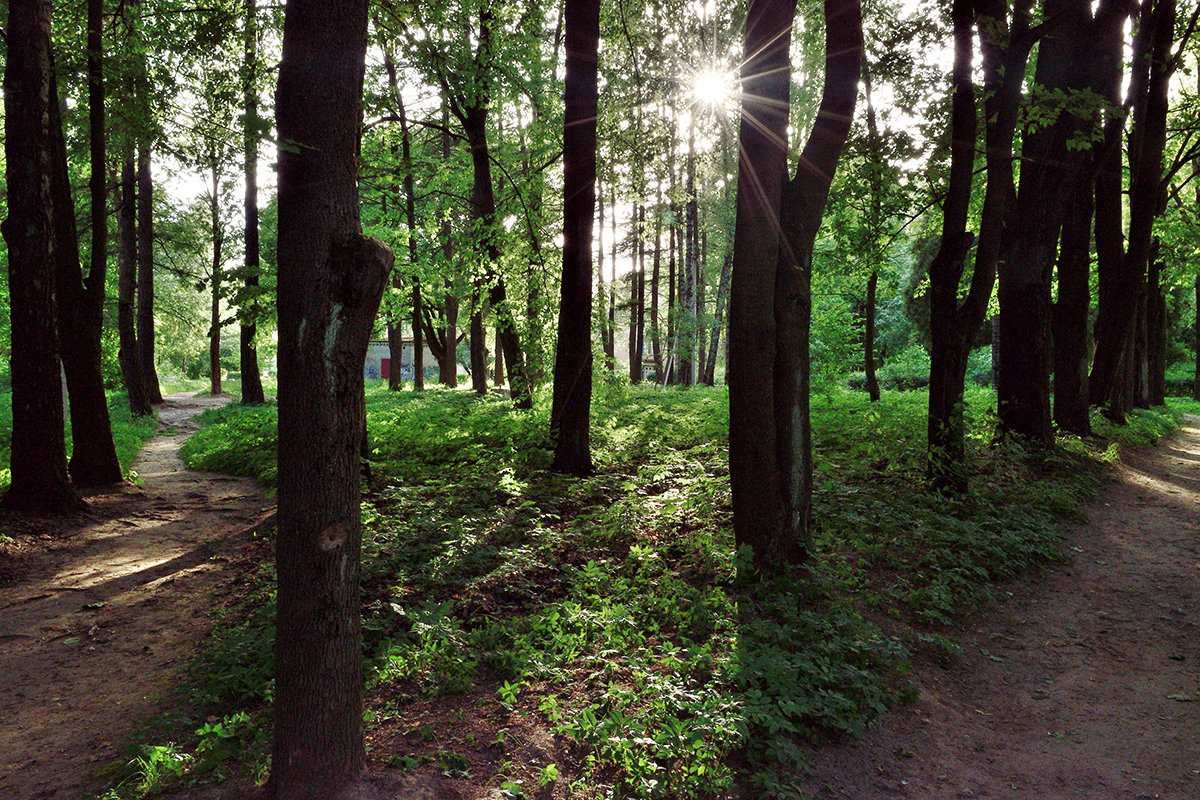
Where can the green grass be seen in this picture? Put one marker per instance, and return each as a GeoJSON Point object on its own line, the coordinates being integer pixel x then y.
{"type": "Point", "coordinates": [129, 433]}
{"type": "Point", "coordinates": [610, 610]}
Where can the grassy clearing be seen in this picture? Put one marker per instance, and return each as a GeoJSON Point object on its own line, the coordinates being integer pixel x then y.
{"type": "Point", "coordinates": [129, 433]}
{"type": "Point", "coordinates": [523, 629]}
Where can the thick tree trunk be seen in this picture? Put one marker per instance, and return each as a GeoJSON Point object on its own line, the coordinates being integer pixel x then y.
{"type": "Point", "coordinates": [251, 379]}
{"type": "Point", "coordinates": [953, 326]}
{"type": "Point", "coordinates": [448, 365]}
{"type": "Point", "coordinates": [1025, 268]}
{"type": "Point", "coordinates": [80, 302]}
{"type": "Point", "coordinates": [145, 276]}
{"type": "Point", "coordinates": [38, 461]}
{"type": "Point", "coordinates": [331, 279]}
{"type": "Point", "coordinates": [869, 338]}
{"type": "Point", "coordinates": [1070, 313]}
{"type": "Point", "coordinates": [127, 267]}
{"type": "Point", "coordinates": [571, 410]}
{"type": "Point", "coordinates": [1151, 73]}
{"type": "Point", "coordinates": [770, 435]}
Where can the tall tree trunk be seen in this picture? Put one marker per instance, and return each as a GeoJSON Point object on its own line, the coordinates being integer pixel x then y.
{"type": "Point", "coordinates": [79, 301]}
{"type": "Point", "coordinates": [869, 338]}
{"type": "Point", "coordinates": [701, 329]}
{"type": "Point", "coordinates": [127, 266]}
{"type": "Point", "coordinates": [688, 319]}
{"type": "Point", "coordinates": [252, 389]}
{"type": "Point", "coordinates": [1070, 313]}
{"type": "Point", "coordinates": [953, 326]}
{"type": "Point", "coordinates": [718, 318]}
{"type": "Point", "coordinates": [1025, 269]}
{"type": "Point", "coordinates": [571, 409]}
{"type": "Point", "coordinates": [1152, 68]}
{"type": "Point", "coordinates": [611, 351]}
{"type": "Point", "coordinates": [498, 366]}
{"type": "Point", "coordinates": [331, 279]}
{"type": "Point", "coordinates": [770, 455]}
{"type": "Point", "coordinates": [655, 282]}
{"type": "Point", "coordinates": [145, 276]}
{"type": "Point", "coordinates": [214, 330]}
{"type": "Point", "coordinates": [637, 299]}
{"type": "Point", "coordinates": [477, 339]}
{"type": "Point", "coordinates": [38, 460]}
{"type": "Point", "coordinates": [1156, 332]}
{"type": "Point", "coordinates": [473, 117]}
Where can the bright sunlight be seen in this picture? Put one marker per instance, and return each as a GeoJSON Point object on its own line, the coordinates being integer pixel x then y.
{"type": "Point", "coordinates": [714, 88]}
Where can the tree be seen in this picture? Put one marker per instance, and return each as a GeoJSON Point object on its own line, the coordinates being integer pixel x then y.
{"type": "Point", "coordinates": [38, 451]}
{"type": "Point", "coordinates": [79, 300]}
{"type": "Point", "coordinates": [770, 444]}
{"type": "Point", "coordinates": [331, 280]}
{"type": "Point", "coordinates": [252, 389]}
{"type": "Point", "coordinates": [953, 325]}
{"type": "Point", "coordinates": [570, 415]}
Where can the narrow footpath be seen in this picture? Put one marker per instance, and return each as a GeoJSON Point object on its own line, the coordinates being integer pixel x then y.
{"type": "Point", "coordinates": [1083, 685]}
{"type": "Point", "coordinates": [99, 614]}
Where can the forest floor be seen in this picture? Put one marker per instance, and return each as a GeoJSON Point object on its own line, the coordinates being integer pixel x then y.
{"type": "Point", "coordinates": [1083, 683]}
{"type": "Point", "coordinates": [101, 613]}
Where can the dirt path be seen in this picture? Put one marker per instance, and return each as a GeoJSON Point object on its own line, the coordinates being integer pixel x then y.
{"type": "Point", "coordinates": [1084, 685]}
{"type": "Point", "coordinates": [106, 610]}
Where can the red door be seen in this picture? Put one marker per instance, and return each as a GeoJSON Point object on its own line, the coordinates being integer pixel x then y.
{"type": "Point", "coordinates": [385, 368]}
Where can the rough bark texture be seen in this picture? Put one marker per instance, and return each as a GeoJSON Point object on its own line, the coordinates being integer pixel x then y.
{"type": "Point", "coordinates": [770, 439]}
{"type": "Point", "coordinates": [252, 390]}
{"type": "Point", "coordinates": [80, 303]}
{"type": "Point", "coordinates": [129, 353]}
{"type": "Point", "coordinates": [571, 411]}
{"type": "Point", "coordinates": [38, 454]}
{"type": "Point", "coordinates": [331, 279]}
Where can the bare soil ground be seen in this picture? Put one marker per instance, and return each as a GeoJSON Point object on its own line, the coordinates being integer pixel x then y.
{"type": "Point", "coordinates": [99, 613]}
{"type": "Point", "coordinates": [1084, 685]}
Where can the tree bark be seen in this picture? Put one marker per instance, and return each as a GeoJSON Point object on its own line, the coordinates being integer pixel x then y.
{"type": "Point", "coordinates": [79, 301]}
{"type": "Point", "coordinates": [770, 437]}
{"type": "Point", "coordinates": [869, 338]}
{"type": "Point", "coordinates": [252, 389]}
{"type": "Point", "coordinates": [1152, 68]}
{"type": "Point", "coordinates": [214, 329]}
{"type": "Point", "coordinates": [655, 284]}
{"type": "Point", "coordinates": [127, 265]}
{"type": "Point", "coordinates": [1156, 332]}
{"type": "Point", "coordinates": [1070, 312]}
{"type": "Point", "coordinates": [331, 279]}
{"type": "Point", "coordinates": [570, 414]}
{"type": "Point", "coordinates": [952, 326]}
{"type": "Point", "coordinates": [1030, 246]}
{"type": "Point", "coordinates": [38, 460]}
{"type": "Point", "coordinates": [145, 276]}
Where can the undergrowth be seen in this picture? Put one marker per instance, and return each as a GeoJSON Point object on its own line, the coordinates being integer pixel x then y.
{"type": "Point", "coordinates": [612, 613]}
